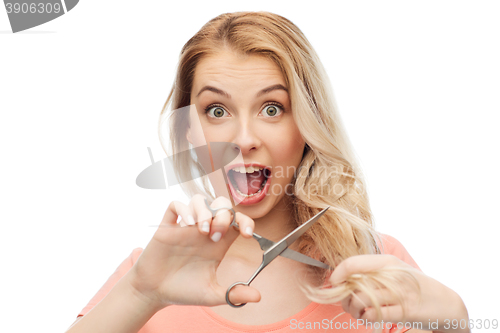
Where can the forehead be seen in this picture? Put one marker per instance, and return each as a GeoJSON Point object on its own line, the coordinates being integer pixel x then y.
{"type": "Point", "coordinates": [232, 68]}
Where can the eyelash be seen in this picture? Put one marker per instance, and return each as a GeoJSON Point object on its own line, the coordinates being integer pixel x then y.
{"type": "Point", "coordinates": [267, 104]}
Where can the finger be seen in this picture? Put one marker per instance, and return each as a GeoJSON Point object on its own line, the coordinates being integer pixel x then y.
{"type": "Point", "coordinates": [393, 314]}
{"type": "Point", "coordinates": [382, 296]}
{"type": "Point", "coordinates": [184, 212]}
{"type": "Point", "coordinates": [359, 301]}
{"type": "Point", "coordinates": [346, 303]}
{"type": "Point", "coordinates": [246, 225]}
{"type": "Point", "coordinates": [201, 213]}
{"type": "Point", "coordinates": [222, 220]}
{"type": "Point", "coordinates": [353, 305]}
{"type": "Point", "coordinates": [182, 223]}
{"type": "Point", "coordinates": [174, 210]}
{"type": "Point", "coordinates": [362, 264]}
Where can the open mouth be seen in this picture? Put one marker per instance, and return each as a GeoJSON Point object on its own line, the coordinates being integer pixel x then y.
{"type": "Point", "coordinates": [249, 181]}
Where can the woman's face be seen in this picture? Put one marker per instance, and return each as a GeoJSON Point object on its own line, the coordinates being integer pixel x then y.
{"type": "Point", "coordinates": [244, 100]}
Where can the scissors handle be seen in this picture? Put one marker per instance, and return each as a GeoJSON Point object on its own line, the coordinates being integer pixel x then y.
{"type": "Point", "coordinates": [272, 249]}
{"type": "Point", "coordinates": [267, 257]}
{"type": "Point", "coordinates": [229, 289]}
{"type": "Point", "coordinates": [214, 211]}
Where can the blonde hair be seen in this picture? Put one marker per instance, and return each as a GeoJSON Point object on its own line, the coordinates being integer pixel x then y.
{"type": "Point", "coordinates": [328, 165]}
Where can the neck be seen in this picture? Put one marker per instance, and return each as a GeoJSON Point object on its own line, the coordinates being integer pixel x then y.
{"type": "Point", "coordinates": [274, 226]}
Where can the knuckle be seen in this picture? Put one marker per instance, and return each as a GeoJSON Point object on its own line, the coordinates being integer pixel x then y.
{"type": "Point", "coordinates": [200, 200]}
{"type": "Point", "coordinates": [196, 200]}
{"type": "Point", "coordinates": [197, 196]}
{"type": "Point", "coordinates": [204, 215]}
{"type": "Point", "coordinates": [218, 227]}
{"type": "Point", "coordinates": [221, 202]}
{"type": "Point", "coordinates": [171, 206]}
{"type": "Point", "coordinates": [370, 315]}
{"type": "Point", "coordinates": [244, 219]}
{"type": "Point", "coordinates": [222, 217]}
{"type": "Point", "coordinates": [176, 206]}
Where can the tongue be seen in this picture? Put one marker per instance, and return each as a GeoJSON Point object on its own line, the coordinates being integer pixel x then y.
{"type": "Point", "coordinates": [249, 183]}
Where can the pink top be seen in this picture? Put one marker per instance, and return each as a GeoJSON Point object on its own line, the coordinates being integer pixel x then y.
{"type": "Point", "coordinates": [314, 318]}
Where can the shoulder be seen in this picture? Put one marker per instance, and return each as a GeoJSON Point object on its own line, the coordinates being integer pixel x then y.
{"type": "Point", "coordinates": [390, 245]}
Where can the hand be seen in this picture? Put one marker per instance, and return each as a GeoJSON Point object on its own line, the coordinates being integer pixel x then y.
{"type": "Point", "coordinates": [432, 301]}
{"type": "Point", "coordinates": [179, 264]}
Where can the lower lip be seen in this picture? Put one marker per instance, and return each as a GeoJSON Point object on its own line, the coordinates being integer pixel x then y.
{"type": "Point", "coordinates": [250, 200]}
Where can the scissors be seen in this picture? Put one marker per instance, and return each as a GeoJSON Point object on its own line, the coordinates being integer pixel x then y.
{"type": "Point", "coordinates": [273, 249]}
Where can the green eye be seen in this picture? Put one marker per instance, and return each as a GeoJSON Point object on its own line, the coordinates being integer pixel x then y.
{"type": "Point", "coordinates": [216, 112]}
{"type": "Point", "coordinates": [272, 111]}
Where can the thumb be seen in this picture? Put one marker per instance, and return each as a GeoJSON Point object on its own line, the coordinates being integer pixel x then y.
{"type": "Point", "coordinates": [241, 294]}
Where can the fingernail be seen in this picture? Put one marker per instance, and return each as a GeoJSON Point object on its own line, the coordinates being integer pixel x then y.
{"type": "Point", "coordinates": [205, 227]}
{"type": "Point", "coordinates": [190, 220]}
{"type": "Point", "coordinates": [249, 231]}
{"type": "Point", "coordinates": [216, 236]}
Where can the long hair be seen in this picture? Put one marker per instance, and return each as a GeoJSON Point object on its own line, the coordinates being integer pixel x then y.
{"type": "Point", "coordinates": [328, 174]}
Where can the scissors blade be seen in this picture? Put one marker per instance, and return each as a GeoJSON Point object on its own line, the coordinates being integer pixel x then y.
{"type": "Point", "coordinates": [300, 230]}
{"type": "Point", "coordinates": [283, 244]}
{"type": "Point", "coordinates": [297, 256]}
{"type": "Point", "coordinates": [265, 244]}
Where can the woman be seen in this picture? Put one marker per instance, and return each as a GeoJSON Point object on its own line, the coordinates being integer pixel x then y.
{"type": "Point", "coordinates": [254, 81]}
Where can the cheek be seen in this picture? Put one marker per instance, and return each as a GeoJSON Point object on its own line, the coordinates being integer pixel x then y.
{"type": "Point", "coordinates": [288, 152]}
{"type": "Point", "coordinates": [218, 134]}
{"type": "Point", "coordinates": [288, 148]}
{"type": "Point", "coordinates": [196, 134]}
{"type": "Point", "coordinates": [208, 132]}
{"type": "Point", "coordinates": [196, 137]}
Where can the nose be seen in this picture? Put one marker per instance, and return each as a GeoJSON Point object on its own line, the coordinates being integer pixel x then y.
{"type": "Point", "coordinates": [246, 137]}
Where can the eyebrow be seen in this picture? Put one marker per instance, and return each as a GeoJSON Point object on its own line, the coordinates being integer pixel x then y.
{"type": "Point", "coordinates": [225, 94]}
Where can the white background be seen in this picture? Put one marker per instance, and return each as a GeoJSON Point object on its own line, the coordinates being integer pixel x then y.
{"type": "Point", "coordinates": [417, 84]}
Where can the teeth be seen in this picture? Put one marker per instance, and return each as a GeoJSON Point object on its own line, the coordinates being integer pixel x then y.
{"type": "Point", "coordinates": [249, 169]}
{"type": "Point", "coordinates": [251, 195]}
{"type": "Point", "coordinates": [248, 196]}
